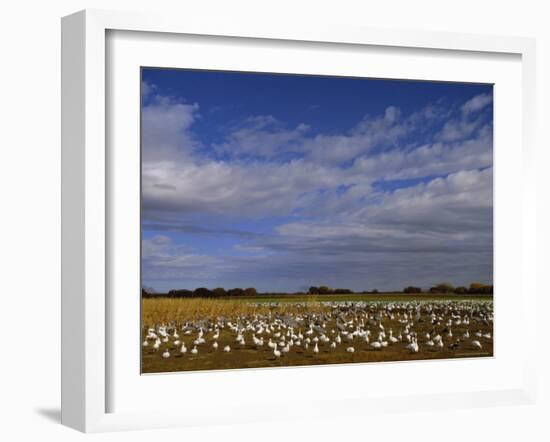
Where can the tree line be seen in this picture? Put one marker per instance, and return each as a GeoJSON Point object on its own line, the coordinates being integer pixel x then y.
{"type": "Point", "coordinates": [475, 288]}
{"type": "Point", "coordinates": [203, 292]}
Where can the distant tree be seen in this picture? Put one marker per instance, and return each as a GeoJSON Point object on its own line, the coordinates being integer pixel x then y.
{"type": "Point", "coordinates": [412, 289]}
{"type": "Point", "coordinates": [343, 291]}
{"type": "Point", "coordinates": [445, 287]}
{"type": "Point", "coordinates": [324, 290]}
{"type": "Point", "coordinates": [202, 292]}
{"type": "Point", "coordinates": [251, 291]}
{"type": "Point", "coordinates": [313, 290]}
{"type": "Point", "coordinates": [477, 288]}
{"type": "Point", "coordinates": [219, 292]}
{"type": "Point", "coordinates": [235, 292]}
{"type": "Point", "coordinates": [374, 291]}
{"type": "Point", "coordinates": [461, 290]}
{"type": "Point", "coordinates": [180, 293]}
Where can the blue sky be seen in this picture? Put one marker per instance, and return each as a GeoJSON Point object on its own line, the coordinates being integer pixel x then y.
{"type": "Point", "coordinates": [280, 182]}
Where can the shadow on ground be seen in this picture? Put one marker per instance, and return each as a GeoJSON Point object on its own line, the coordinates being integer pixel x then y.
{"type": "Point", "coordinates": [51, 414]}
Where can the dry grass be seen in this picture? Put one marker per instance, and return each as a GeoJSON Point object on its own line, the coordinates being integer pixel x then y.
{"type": "Point", "coordinates": [165, 310]}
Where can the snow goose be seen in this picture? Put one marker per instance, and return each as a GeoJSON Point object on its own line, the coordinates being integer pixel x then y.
{"type": "Point", "coordinates": [476, 345]}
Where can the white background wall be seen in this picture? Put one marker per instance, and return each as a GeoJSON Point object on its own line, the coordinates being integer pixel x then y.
{"type": "Point", "coordinates": [30, 219]}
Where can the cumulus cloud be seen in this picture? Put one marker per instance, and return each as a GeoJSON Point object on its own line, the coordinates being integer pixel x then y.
{"type": "Point", "coordinates": [262, 136]}
{"type": "Point", "coordinates": [166, 129]}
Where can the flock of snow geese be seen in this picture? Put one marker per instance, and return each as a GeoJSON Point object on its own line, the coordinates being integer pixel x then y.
{"type": "Point", "coordinates": [411, 327]}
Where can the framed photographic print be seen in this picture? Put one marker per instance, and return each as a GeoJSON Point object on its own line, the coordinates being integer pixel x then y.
{"type": "Point", "coordinates": [276, 231]}
{"type": "Point", "coordinates": [285, 210]}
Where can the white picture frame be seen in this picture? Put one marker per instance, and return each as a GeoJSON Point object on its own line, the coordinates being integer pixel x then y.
{"type": "Point", "coordinates": [86, 202]}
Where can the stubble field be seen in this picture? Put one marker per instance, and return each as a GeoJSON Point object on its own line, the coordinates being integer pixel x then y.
{"type": "Point", "coordinates": [189, 334]}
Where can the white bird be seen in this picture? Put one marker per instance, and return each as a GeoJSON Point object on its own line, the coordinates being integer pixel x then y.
{"type": "Point", "coordinates": [333, 345]}
{"type": "Point", "coordinates": [145, 343]}
{"type": "Point", "coordinates": [166, 354]}
{"type": "Point", "coordinates": [476, 344]}
{"type": "Point", "coordinates": [350, 349]}
{"type": "Point", "coordinates": [316, 349]}
{"type": "Point", "coordinates": [215, 345]}
{"type": "Point", "coordinates": [183, 348]}
{"type": "Point", "coordinates": [413, 346]}
{"type": "Point", "coordinates": [376, 345]}
{"type": "Point", "coordinates": [276, 352]}
{"type": "Point", "coordinates": [194, 351]}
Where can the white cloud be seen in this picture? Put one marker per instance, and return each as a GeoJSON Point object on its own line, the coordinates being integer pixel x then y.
{"type": "Point", "coordinates": [477, 103]}
{"type": "Point", "coordinates": [166, 129]}
{"type": "Point", "coordinates": [262, 136]}
{"type": "Point", "coordinates": [431, 159]}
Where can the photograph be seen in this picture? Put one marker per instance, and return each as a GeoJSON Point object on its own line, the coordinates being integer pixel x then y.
{"type": "Point", "coordinates": [303, 220]}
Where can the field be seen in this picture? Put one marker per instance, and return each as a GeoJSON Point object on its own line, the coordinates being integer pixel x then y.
{"type": "Point", "coordinates": [187, 334]}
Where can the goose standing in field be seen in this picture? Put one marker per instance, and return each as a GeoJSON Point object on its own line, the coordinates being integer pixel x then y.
{"type": "Point", "coordinates": [476, 344]}
{"type": "Point", "coordinates": [156, 345]}
{"type": "Point", "coordinates": [145, 343]}
{"type": "Point", "coordinates": [454, 345]}
{"type": "Point", "coordinates": [333, 345]}
{"type": "Point", "coordinates": [316, 348]}
{"type": "Point", "coordinates": [466, 334]}
{"type": "Point", "coordinates": [277, 353]}
{"type": "Point", "coordinates": [376, 345]}
{"type": "Point", "coordinates": [194, 351]}
{"type": "Point", "coordinates": [166, 354]}
{"type": "Point", "coordinates": [227, 349]}
{"type": "Point", "coordinates": [413, 346]}
{"type": "Point", "coordinates": [183, 349]}
{"type": "Point", "coordinates": [215, 345]}
{"type": "Point", "coordinates": [350, 350]}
